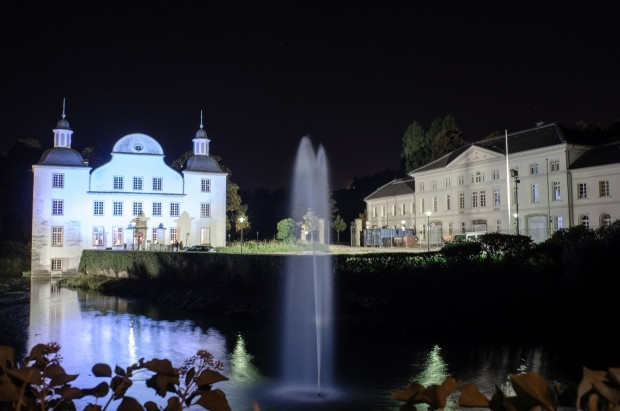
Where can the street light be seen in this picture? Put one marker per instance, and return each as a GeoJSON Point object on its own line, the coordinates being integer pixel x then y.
{"type": "Point", "coordinates": [241, 221]}
{"type": "Point", "coordinates": [428, 230]}
{"type": "Point", "coordinates": [514, 173]}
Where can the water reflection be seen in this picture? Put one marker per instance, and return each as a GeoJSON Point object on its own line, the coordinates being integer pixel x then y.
{"type": "Point", "coordinates": [91, 328]}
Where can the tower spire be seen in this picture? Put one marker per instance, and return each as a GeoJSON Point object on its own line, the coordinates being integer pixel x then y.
{"type": "Point", "coordinates": [63, 132]}
{"type": "Point", "coordinates": [201, 142]}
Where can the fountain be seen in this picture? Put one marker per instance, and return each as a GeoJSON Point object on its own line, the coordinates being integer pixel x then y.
{"type": "Point", "coordinates": [308, 302]}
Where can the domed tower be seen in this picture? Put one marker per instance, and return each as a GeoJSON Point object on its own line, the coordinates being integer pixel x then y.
{"type": "Point", "coordinates": [60, 182]}
{"type": "Point", "coordinates": [205, 188]}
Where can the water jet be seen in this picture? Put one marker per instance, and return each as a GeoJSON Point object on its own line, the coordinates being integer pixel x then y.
{"type": "Point", "coordinates": [307, 339]}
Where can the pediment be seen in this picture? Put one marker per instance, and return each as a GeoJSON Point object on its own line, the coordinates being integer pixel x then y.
{"type": "Point", "coordinates": [474, 154]}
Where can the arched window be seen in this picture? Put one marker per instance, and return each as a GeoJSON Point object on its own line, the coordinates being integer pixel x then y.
{"type": "Point", "coordinates": [605, 220]}
{"type": "Point", "coordinates": [585, 221]}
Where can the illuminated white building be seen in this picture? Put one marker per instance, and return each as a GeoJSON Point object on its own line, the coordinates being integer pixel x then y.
{"type": "Point", "coordinates": [560, 181]}
{"type": "Point", "coordinates": [133, 202]}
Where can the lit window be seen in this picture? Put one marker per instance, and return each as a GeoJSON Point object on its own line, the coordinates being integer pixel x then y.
{"type": "Point", "coordinates": [205, 185]}
{"type": "Point", "coordinates": [58, 180]}
{"type": "Point", "coordinates": [117, 235]}
{"type": "Point", "coordinates": [205, 210]}
{"type": "Point", "coordinates": [57, 207]}
{"type": "Point", "coordinates": [97, 235]}
{"type": "Point", "coordinates": [97, 207]}
{"type": "Point", "coordinates": [535, 193]}
{"type": "Point", "coordinates": [174, 234]}
{"type": "Point", "coordinates": [117, 208]}
{"type": "Point", "coordinates": [605, 220]}
{"type": "Point", "coordinates": [174, 209]}
{"type": "Point", "coordinates": [118, 182]}
{"type": "Point", "coordinates": [57, 236]}
{"type": "Point", "coordinates": [556, 191]}
{"type": "Point", "coordinates": [496, 197]}
{"type": "Point", "coordinates": [582, 190]}
{"type": "Point", "coordinates": [137, 183]}
{"type": "Point", "coordinates": [157, 183]}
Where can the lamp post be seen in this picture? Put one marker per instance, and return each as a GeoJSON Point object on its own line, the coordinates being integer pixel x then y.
{"type": "Point", "coordinates": [241, 221]}
{"type": "Point", "coordinates": [514, 173]}
{"type": "Point", "coordinates": [428, 230]}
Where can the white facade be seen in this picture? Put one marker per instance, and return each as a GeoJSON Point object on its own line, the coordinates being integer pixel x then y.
{"type": "Point", "coordinates": [472, 189]}
{"type": "Point", "coordinates": [133, 202]}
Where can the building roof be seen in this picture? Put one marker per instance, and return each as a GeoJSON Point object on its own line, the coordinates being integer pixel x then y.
{"type": "Point", "coordinates": [61, 156]}
{"type": "Point", "coordinates": [202, 163]}
{"type": "Point", "coordinates": [602, 155]}
{"type": "Point", "coordinates": [137, 143]}
{"type": "Point", "coordinates": [397, 187]}
{"type": "Point", "coordinates": [543, 135]}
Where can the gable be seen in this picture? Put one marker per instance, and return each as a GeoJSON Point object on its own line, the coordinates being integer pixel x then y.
{"type": "Point", "coordinates": [474, 154]}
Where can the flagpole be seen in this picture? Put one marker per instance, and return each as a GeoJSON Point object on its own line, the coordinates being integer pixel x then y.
{"type": "Point", "coordinates": [508, 184]}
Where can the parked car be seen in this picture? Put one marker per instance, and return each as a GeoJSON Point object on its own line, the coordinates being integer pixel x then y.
{"type": "Point", "coordinates": [202, 248]}
{"type": "Point", "coordinates": [470, 236]}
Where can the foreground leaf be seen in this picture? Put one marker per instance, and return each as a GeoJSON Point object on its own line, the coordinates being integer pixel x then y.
{"type": "Point", "coordinates": [586, 384]}
{"type": "Point", "coordinates": [30, 375]}
{"type": "Point", "coordinates": [437, 395]}
{"type": "Point", "coordinates": [472, 397]}
{"type": "Point", "coordinates": [102, 370]}
{"type": "Point", "coordinates": [129, 404]}
{"type": "Point", "coordinates": [210, 377]}
{"type": "Point", "coordinates": [532, 388]}
{"type": "Point", "coordinates": [214, 400]}
{"type": "Point", "coordinates": [410, 394]}
{"type": "Point", "coordinates": [7, 357]}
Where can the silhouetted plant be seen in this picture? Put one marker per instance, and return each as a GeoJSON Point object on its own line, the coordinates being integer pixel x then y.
{"type": "Point", "coordinates": [41, 383]}
{"type": "Point", "coordinates": [598, 390]}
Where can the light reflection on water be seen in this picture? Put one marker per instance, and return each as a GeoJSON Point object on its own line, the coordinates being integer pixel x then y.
{"type": "Point", "coordinates": [91, 329]}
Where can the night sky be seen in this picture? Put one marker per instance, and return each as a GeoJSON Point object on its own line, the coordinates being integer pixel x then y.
{"type": "Point", "coordinates": [351, 75]}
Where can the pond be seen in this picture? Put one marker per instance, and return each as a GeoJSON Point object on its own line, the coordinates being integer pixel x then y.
{"type": "Point", "coordinates": [368, 364]}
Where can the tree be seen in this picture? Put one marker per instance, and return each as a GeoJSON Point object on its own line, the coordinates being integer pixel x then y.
{"type": "Point", "coordinates": [286, 230]}
{"type": "Point", "coordinates": [420, 148]}
{"type": "Point", "coordinates": [339, 225]}
{"type": "Point", "coordinates": [416, 151]}
{"type": "Point", "coordinates": [444, 136]}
